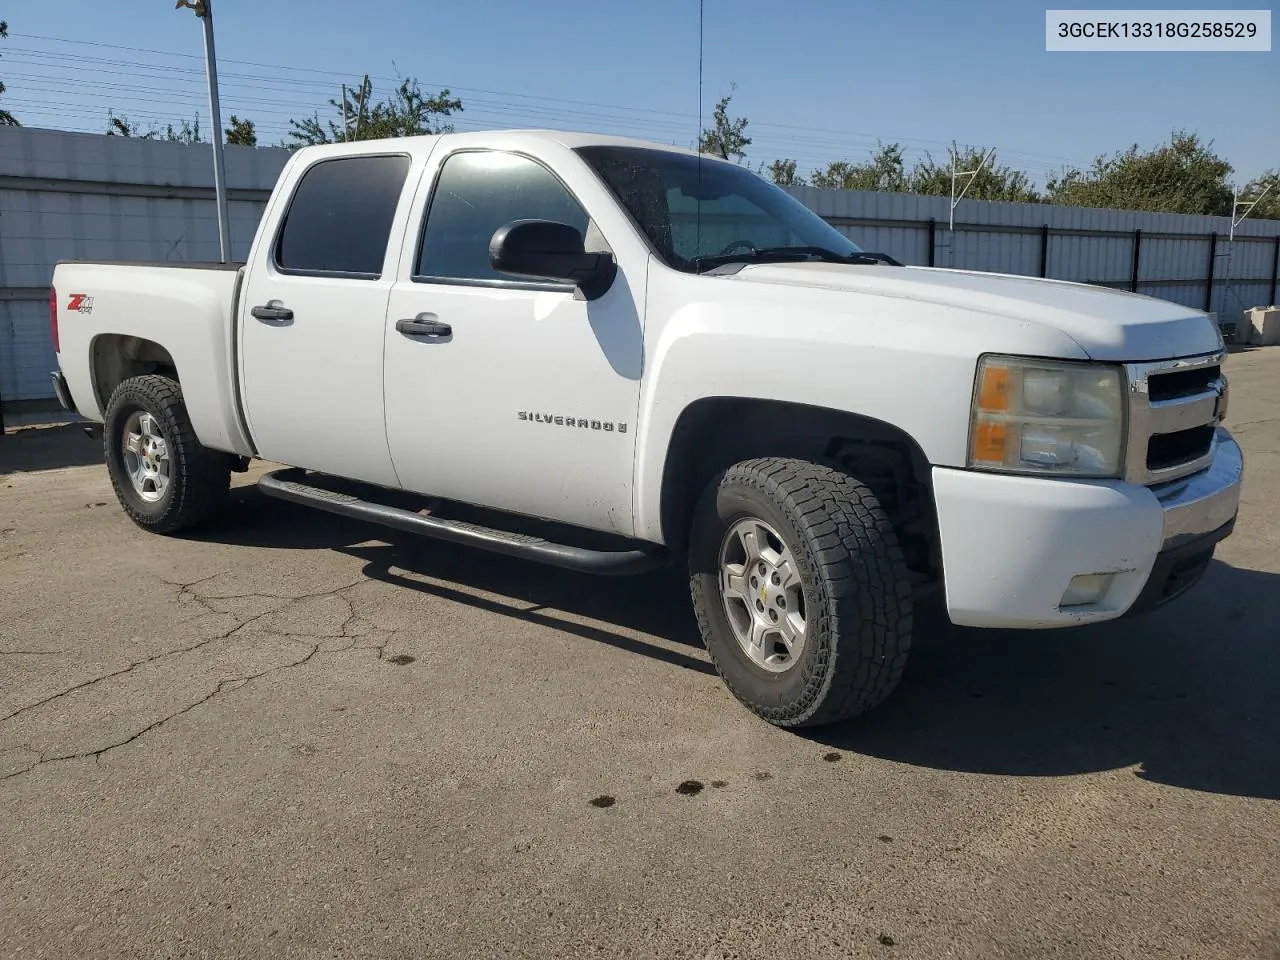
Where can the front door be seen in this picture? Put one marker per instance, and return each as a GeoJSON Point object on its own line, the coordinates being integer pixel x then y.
{"type": "Point", "coordinates": [502, 392]}
{"type": "Point", "coordinates": [312, 321]}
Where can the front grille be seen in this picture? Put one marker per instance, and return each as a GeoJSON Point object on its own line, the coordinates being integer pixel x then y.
{"type": "Point", "coordinates": [1174, 411]}
{"type": "Point", "coordinates": [1182, 383]}
{"type": "Point", "coordinates": [1167, 450]}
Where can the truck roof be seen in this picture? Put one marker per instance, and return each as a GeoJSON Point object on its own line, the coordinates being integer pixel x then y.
{"type": "Point", "coordinates": [567, 138]}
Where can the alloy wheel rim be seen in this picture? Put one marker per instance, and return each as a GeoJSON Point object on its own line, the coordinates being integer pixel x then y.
{"type": "Point", "coordinates": [762, 594]}
{"type": "Point", "coordinates": [146, 456]}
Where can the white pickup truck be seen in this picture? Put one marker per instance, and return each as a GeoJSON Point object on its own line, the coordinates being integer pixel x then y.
{"type": "Point", "coordinates": [629, 355]}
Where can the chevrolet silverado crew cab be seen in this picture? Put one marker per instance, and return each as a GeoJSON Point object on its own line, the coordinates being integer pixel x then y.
{"type": "Point", "coordinates": [610, 355]}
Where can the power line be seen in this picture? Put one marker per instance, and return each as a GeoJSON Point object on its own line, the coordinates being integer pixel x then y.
{"type": "Point", "coordinates": [757, 124]}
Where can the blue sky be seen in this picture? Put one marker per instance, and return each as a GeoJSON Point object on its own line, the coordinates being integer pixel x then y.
{"type": "Point", "coordinates": [819, 79]}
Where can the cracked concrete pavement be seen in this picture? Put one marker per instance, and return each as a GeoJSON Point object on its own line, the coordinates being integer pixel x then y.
{"type": "Point", "coordinates": [292, 736]}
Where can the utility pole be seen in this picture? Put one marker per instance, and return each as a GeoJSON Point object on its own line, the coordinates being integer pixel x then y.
{"type": "Point", "coordinates": [204, 10]}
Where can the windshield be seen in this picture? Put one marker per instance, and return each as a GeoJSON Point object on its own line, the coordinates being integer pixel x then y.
{"type": "Point", "coordinates": [691, 208]}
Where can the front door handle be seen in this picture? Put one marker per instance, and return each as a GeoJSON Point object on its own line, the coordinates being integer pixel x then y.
{"type": "Point", "coordinates": [424, 325]}
{"type": "Point", "coordinates": [273, 312]}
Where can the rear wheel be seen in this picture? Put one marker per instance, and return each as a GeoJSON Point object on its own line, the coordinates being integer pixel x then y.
{"type": "Point", "coordinates": [801, 591]}
{"type": "Point", "coordinates": [165, 479]}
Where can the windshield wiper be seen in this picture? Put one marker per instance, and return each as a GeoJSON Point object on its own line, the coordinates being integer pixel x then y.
{"type": "Point", "coordinates": [783, 254]}
{"type": "Point", "coordinates": [830, 256]}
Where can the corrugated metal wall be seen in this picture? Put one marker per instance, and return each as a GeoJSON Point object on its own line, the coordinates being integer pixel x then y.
{"type": "Point", "coordinates": [86, 196]}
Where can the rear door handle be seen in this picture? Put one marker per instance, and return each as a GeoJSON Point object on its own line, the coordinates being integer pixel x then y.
{"type": "Point", "coordinates": [424, 325]}
{"type": "Point", "coordinates": [273, 312]}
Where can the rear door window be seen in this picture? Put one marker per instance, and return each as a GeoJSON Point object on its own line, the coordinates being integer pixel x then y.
{"type": "Point", "coordinates": [339, 220]}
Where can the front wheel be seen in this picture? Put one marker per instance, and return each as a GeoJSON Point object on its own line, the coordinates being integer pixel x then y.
{"type": "Point", "coordinates": [165, 479]}
{"type": "Point", "coordinates": [801, 591]}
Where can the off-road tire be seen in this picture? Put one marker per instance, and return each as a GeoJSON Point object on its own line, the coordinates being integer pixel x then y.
{"type": "Point", "coordinates": [199, 477]}
{"type": "Point", "coordinates": [856, 589]}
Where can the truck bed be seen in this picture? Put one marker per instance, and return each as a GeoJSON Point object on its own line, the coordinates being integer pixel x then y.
{"type": "Point", "coordinates": [118, 319]}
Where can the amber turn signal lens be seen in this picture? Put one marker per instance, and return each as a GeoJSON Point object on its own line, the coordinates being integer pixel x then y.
{"type": "Point", "coordinates": [994, 394]}
{"type": "Point", "coordinates": [989, 442]}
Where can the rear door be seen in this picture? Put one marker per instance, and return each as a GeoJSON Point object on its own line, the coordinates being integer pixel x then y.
{"type": "Point", "coordinates": [312, 317]}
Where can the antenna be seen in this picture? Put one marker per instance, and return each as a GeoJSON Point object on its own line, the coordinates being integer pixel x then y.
{"type": "Point", "coordinates": [1237, 216]}
{"type": "Point", "coordinates": [971, 174]}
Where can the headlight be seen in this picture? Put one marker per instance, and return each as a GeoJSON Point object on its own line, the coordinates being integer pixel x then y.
{"type": "Point", "coordinates": [1047, 417]}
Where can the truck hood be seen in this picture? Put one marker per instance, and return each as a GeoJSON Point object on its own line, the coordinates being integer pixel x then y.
{"type": "Point", "coordinates": [1107, 324]}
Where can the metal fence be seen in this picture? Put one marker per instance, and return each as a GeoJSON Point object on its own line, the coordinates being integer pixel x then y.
{"type": "Point", "coordinates": [1190, 260]}
{"type": "Point", "coordinates": [86, 196]}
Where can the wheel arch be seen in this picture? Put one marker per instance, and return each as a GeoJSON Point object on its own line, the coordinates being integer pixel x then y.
{"type": "Point", "coordinates": [713, 433]}
{"type": "Point", "coordinates": [116, 357]}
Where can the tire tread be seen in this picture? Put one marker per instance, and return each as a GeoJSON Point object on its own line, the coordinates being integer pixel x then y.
{"type": "Point", "coordinates": [200, 477]}
{"type": "Point", "coordinates": [850, 555]}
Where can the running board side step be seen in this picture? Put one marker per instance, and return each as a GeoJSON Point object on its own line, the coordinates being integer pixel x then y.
{"type": "Point", "coordinates": [288, 484]}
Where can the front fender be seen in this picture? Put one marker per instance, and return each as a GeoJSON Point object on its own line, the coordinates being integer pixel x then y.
{"type": "Point", "coordinates": [906, 364]}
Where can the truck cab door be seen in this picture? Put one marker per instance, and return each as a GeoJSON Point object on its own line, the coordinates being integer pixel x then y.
{"type": "Point", "coordinates": [505, 392]}
{"type": "Point", "coordinates": [312, 315]}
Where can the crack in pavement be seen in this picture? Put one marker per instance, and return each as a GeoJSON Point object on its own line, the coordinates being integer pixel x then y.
{"type": "Point", "coordinates": [185, 590]}
{"type": "Point", "coordinates": [312, 641]}
{"type": "Point", "coordinates": [231, 683]}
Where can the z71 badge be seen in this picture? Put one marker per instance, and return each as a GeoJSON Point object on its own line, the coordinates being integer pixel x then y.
{"type": "Point", "coordinates": [79, 303]}
{"type": "Point", "coordinates": [579, 423]}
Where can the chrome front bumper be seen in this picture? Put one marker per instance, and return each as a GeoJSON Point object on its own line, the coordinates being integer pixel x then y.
{"type": "Point", "coordinates": [1203, 502]}
{"type": "Point", "coordinates": [1199, 513]}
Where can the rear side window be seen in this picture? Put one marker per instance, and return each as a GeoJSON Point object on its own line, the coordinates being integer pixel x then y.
{"type": "Point", "coordinates": [478, 192]}
{"type": "Point", "coordinates": [339, 220]}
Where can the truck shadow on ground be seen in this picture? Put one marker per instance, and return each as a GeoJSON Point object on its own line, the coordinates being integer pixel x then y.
{"type": "Point", "coordinates": [1187, 693]}
{"type": "Point", "coordinates": [28, 449]}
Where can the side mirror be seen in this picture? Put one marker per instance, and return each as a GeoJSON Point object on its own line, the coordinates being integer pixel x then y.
{"type": "Point", "coordinates": [546, 250]}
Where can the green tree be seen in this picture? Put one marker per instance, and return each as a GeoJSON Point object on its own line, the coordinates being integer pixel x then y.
{"type": "Point", "coordinates": [120, 126]}
{"type": "Point", "coordinates": [783, 173]}
{"type": "Point", "coordinates": [886, 171]}
{"type": "Point", "coordinates": [1181, 176]}
{"type": "Point", "coordinates": [187, 131]}
{"type": "Point", "coordinates": [241, 133]}
{"type": "Point", "coordinates": [1268, 207]}
{"type": "Point", "coordinates": [7, 119]}
{"type": "Point", "coordinates": [993, 181]}
{"type": "Point", "coordinates": [726, 137]}
{"type": "Point", "coordinates": [407, 112]}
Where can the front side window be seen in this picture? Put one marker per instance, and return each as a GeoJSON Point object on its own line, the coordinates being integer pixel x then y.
{"type": "Point", "coordinates": [339, 221]}
{"type": "Point", "coordinates": [478, 192]}
{"type": "Point", "coordinates": [695, 208]}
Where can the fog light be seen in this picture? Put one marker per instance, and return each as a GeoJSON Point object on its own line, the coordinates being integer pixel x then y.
{"type": "Point", "coordinates": [1086, 588]}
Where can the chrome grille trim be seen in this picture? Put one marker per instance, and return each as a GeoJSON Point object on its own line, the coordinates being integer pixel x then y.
{"type": "Point", "coordinates": [1147, 418]}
